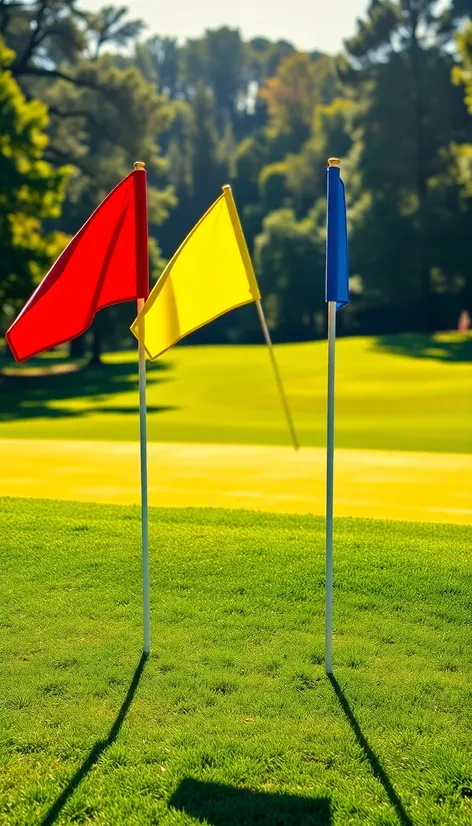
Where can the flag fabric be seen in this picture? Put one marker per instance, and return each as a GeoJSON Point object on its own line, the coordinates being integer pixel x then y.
{"type": "Point", "coordinates": [104, 264]}
{"type": "Point", "coordinates": [337, 271]}
{"type": "Point", "coordinates": [210, 274]}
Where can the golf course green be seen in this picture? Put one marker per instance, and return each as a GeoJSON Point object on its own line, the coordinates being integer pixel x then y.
{"type": "Point", "coordinates": [409, 392]}
{"type": "Point", "coordinates": [232, 720]}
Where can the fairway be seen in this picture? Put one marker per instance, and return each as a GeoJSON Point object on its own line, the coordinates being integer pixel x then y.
{"type": "Point", "coordinates": [393, 393]}
{"type": "Point", "coordinates": [232, 720]}
{"type": "Point", "coordinates": [378, 484]}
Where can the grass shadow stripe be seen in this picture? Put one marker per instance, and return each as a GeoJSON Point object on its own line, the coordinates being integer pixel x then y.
{"type": "Point", "coordinates": [97, 750]}
{"type": "Point", "coordinates": [375, 764]}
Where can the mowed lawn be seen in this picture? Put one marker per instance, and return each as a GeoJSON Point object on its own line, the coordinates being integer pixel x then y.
{"type": "Point", "coordinates": [396, 393]}
{"type": "Point", "coordinates": [232, 720]}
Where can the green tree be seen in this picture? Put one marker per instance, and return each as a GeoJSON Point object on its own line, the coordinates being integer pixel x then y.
{"type": "Point", "coordinates": [273, 186]}
{"type": "Point", "coordinates": [455, 185]}
{"type": "Point", "coordinates": [300, 85]}
{"type": "Point", "coordinates": [110, 26]}
{"type": "Point", "coordinates": [102, 117]}
{"type": "Point", "coordinates": [398, 69]}
{"type": "Point", "coordinates": [89, 130]}
{"type": "Point", "coordinates": [159, 61]}
{"type": "Point", "coordinates": [31, 192]}
{"type": "Point", "coordinates": [232, 70]}
{"type": "Point", "coordinates": [289, 261]}
{"type": "Point", "coordinates": [264, 58]}
{"type": "Point", "coordinates": [207, 170]}
{"type": "Point", "coordinates": [331, 134]}
{"type": "Point", "coordinates": [217, 60]}
{"type": "Point", "coordinates": [197, 166]}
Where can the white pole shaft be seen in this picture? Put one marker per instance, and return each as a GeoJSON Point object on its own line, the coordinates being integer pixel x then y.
{"type": "Point", "coordinates": [278, 378]}
{"type": "Point", "coordinates": [144, 494]}
{"type": "Point", "coordinates": [329, 489]}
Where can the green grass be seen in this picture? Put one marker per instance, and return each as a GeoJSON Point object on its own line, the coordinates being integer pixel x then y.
{"type": "Point", "coordinates": [232, 720]}
{"type": "Point", "coordinates": [403, 393]}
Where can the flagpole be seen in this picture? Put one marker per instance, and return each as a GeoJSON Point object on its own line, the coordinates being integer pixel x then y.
{"type": "Point", "coordinates": [278, 378]}
{"type": "Point", "coordinates": [329, 488]}
{"type": "Point", "coordinates": [143, 440]}
{"type": "Point", "coordinates": [144, 493]}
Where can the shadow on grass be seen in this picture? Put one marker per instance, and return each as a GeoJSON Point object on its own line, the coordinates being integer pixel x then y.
{"type": "Point", "coordinates": [30, 396]}
{"type": "Point", "coordinates": [375, 764]}
{"type": "Point", "coordinates": [97, 750]}
{"type": "Point", "coordinates": [223, 805]}
{"type": "Point", "coordinates": [421, 345]}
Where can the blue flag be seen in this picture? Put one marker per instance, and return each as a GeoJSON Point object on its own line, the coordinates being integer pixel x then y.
{"type": "Point", "coordinates": [337, 271]}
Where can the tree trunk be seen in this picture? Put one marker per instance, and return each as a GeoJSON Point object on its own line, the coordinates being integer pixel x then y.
{"type": "Point", "coordinates": [427, 314]}
{"type": "Point", "coordinates": [77, 348]}
{"type": "Point", "coordinates": [96, 344]}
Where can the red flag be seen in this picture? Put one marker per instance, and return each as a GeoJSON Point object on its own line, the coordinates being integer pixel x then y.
{"type": "Point", "coordinates": [105, 263]}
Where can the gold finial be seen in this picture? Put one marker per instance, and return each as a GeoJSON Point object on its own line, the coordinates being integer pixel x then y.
{"type": "Point", "coordinates": [334, 161]}
{"type": "Point", "coordinates": [140, 165]}
{"type": "Point", "coordinates": [226, 186]}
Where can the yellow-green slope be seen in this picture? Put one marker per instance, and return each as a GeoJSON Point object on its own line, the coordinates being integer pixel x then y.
{"type": "Point", "coordinates": [406, 393]}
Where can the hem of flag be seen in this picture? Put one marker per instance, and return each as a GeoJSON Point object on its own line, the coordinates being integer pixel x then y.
{"type": "Point", "coordinates": [243, 250]}
{"type": "Point", "coordinates": [188, 332]}
{"type": "Point", "coordinates": [63, 340]}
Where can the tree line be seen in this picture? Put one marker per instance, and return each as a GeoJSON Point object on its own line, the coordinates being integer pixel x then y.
{"type": "Point", "coordinates": [83, 95]}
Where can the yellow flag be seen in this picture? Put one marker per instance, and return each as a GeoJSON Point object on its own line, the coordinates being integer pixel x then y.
{"type": "Point", "coordinates": [210, 273]}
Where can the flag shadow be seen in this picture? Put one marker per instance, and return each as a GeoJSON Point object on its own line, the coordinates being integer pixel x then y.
{"type": "Point", "coordinates": [97, 750]}
{"type": "Point", "coordinates": [221, 805]}
{"type": "Point", "coordinates": [426, 346]}
{"type": "Point", "coordinates": [25, 395]}
{"type": "Point", "coordinates": [377, 769]}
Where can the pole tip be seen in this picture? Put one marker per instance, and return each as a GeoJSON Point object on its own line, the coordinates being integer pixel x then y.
{"type": "Point", "coordinates": [226, 187]}
{"type": "Point", "coordinates": [334, 161]}
{"type": "Point", "coordinates": [139, 165]}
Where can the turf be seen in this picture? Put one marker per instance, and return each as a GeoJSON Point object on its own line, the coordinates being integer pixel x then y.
{"type": "Point", "coordinates": [398, 393]}
{"type": "Point", "coordinates": [232, 720]}
{"type": "Point", "coordinates": [378, 484]}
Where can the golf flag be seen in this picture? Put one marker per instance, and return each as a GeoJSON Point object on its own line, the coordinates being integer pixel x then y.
{"type": "Point", "coordinates": [210, 274]}
{"type": "Point", "coordinates": [337, 296]}
{"type": "Point", "coordinates": [105, 263]}
{"type": "Point", "coordinates": [337, 272]}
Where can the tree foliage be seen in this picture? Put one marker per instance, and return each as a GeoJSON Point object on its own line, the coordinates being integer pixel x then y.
{"type": "Point", "coordinates": [265, 117]}
{"type": "Point", "coordinates": [289, 260]}
{"type": "Point", "coordinates": [398, 69]}
{"type": "Point", "coordinates": [299, 86]}
{"type": "Point", "coordinates": [102, 117]}
{"type": "Point", "coordinates": [31, 193]}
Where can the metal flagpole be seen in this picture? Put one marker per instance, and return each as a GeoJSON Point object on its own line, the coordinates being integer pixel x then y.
{"type": "Point", "coordinates": [144, 493]}
{"type": "Point", "coordinates": [329, 489]}
{"type": "Point", "coordinates": [278, 378]}
{"type": "Point", "coordinates": [143, 267]}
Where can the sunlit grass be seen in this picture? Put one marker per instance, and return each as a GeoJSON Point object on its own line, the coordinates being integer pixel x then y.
{"type": "Point", "coordinates": [234, 696]}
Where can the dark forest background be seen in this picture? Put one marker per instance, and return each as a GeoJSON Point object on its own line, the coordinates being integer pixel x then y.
{"type": "Point", "coordinates": [82, 96]}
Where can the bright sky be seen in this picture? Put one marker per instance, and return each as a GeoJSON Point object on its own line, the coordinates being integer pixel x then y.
{"type": "Point", "coordinates": [308, 24]}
